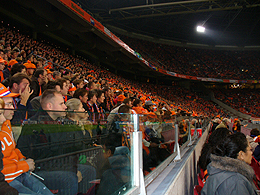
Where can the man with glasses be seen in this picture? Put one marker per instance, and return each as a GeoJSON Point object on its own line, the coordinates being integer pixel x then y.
{"type": "Point", "coordinates": [16, 168]}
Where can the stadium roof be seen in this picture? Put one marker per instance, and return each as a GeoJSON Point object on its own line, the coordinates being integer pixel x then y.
{"type": "Point", "coordinates": [227, 22]}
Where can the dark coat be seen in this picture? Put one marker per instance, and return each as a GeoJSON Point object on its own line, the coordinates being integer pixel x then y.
{"type": "Point", "coordinates": [214, 126]}
{"type": "Point", "coordinates": [42, 137]}
{"type": "Point", "coordinates": [229, 176]}
{"type": "Point", "coordinates": [257, 153]}
{"type": "Point", "coordinates": [23, 112]}
{"type": "Point", "coordinates": [35, 102]}
{"type": "Point", "coordinates": [36, 88]}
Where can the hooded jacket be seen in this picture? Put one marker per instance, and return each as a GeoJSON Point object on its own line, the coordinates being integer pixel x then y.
{"type": "Point", "coordinates": [229, 176]}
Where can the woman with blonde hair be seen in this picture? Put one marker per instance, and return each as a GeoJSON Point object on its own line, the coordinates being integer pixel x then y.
{"type": "Point", "coordinates": [77, 113]}
{"type": "Point", "coordinates": [75, 109]}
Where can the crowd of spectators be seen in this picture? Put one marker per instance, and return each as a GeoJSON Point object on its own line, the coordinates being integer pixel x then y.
{"type": "Point", "coordinates": [243, 100]}
{"type": "Point", "coordinates": [243, 65]}
{"type": "Point", "coordinates": [42, 76]}
{"type": "Point", "coordinates": [22, 48]}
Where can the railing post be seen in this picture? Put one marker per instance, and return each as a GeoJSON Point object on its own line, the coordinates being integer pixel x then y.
{"type": "Point", "coordinates": [195, 130]}
{"type": "Point", "coordinates": [176, 146]}
{"type": "Point", "coordinates": [189, 135]}
{"type": "Point", "coordinates": [137, 156]}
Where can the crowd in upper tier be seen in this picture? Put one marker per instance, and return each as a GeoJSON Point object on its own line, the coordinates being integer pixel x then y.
{"type": "Point", "coordinates": [18, 48]}
{"type": "Point", "coordinates": [243, 100]}
{"type": "Point", "coordinates": [243, 65]}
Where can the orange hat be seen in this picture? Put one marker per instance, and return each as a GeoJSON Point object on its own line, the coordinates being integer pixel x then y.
{"type": "Point", "coordinates": [121, 98]}
{"type": "Point", "coordinates": [29, 65]}
{"type": "Point", "coordinates": [4, 92]}
{"type": "Point", "coordinates": [12, 62]}
{"type": "Point", "coordinates": [3, 61]}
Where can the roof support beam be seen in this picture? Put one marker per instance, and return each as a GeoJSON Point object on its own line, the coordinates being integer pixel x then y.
{"type": "Point", "coordinates": [157, 5]}
{"type": "Point", "coordinates": [189, 10]}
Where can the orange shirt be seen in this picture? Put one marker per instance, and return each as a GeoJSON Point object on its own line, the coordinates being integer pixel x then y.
{"type": "Point", "coordinates": [1, 76]}
{"type": "Point", "coordinates": [13, 167]}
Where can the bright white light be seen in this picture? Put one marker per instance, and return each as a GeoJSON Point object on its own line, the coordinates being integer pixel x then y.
{"type": "Point", "coordinates": [200, 29]}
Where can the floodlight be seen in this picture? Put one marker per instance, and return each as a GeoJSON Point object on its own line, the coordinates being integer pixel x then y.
{"type": "Point", "coordinates": [200, 29]}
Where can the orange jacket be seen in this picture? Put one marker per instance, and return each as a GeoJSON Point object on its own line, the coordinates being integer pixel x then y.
{"type": "Point", "coordinates": [13, 167]}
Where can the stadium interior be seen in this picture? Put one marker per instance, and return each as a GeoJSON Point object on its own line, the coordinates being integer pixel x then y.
{"type": "Point", "coordinates": [155, 92]}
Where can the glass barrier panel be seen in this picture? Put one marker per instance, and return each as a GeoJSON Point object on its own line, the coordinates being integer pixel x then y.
{"type": "Point", "coordinates": [160, 135]}
{"type": "Point", "coordinates": [80, 152]}
{"type": "Point", "coordinates": [76, 152]}
{"type": "Point", "coordinates": [158, 140]}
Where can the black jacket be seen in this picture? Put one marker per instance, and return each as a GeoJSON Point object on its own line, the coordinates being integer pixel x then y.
{"type": "Point", "coordinates": [42, 137]}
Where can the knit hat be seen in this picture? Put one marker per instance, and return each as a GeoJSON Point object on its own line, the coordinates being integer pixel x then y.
{"type": "Point", "coordinates": [12, 62]}
{"type": "Point", "coordinates": [4, 92]}
{"type": "Point", "coordinates": [121, 98]}
{"type": "Point", "coordinates": [29, 65]}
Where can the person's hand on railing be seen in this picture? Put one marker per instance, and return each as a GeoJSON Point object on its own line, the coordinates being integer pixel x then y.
{"type": "Point", "coordinates": [31, 164]}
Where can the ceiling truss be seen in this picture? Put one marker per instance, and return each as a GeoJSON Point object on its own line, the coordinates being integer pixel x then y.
{"type": "Point", "coordinates": [173, 8]}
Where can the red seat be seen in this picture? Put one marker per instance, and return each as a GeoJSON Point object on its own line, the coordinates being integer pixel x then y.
{"type": "Point", "coordinates": [54, 191]}
{"type": "Point", "coordinates": [201, 174]}
{"type": "Point", "coordinates": [197, 190]}
{"type": "Point", "coordinates": [256, 166]}
{"type": "Point", "coordinates": [256, 184]}
{"type": "Point", "coordinates": [200, 181]}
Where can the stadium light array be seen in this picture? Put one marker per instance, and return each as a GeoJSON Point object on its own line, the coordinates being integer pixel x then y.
{"type": "Point", "coordinates": [200, 29]}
